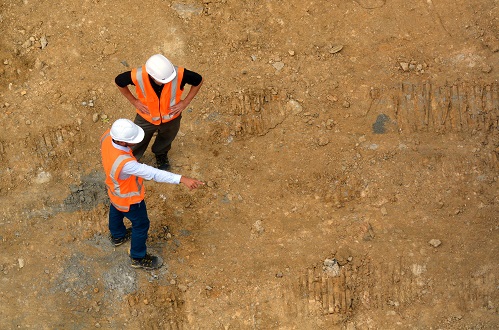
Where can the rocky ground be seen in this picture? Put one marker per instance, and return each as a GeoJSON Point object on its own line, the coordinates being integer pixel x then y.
{"type": "Point", "coordinates": [349, 149]}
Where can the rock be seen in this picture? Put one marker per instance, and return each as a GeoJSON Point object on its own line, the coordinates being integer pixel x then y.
{"type": "Point", "coordinates": [404, 66]}
{"type": "Point", "coordinates": [95, 117]}
{"type": "Point", "coordinates": [38, 64]}
{"type": "Point", "coordinates": [417, 270]}
{"type": "Point", "coordinates": [335, 49]}
{"type": "Point", "coordinates": [383, 211]}
{"type": "Point", "coordinates": [486, 68]}
{"type": "Point", "coordinates": [322, 141]}
{"type": "Point", "coordinates": [182, 287]}
{"type": "Point", "coordinates": [21, 263]}
{"type": "Point", "coordinates": [331, 267]}
{"type": "Point", "coordinates": [278, 65]}
{"type": "Point", "coordinates": [435, 243]}
{"type": "Point", "coordinates": [257, 228]}
{"type": "Point", "coordinates": [294, 107]}
{"type": "Point", "coordinates": [330, 124]}
{"type": "Point", "coordinates": [346, 104]}
{"type": "Point", "coordinates": [43, 42]}
{"type": "Point", "coordinates": [43, 177]}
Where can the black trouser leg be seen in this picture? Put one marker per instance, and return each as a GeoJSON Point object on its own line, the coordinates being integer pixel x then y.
{"type": "Point", "coordinates": [149, 130]}
{"type": "Point", "coordinates": [166, 134]}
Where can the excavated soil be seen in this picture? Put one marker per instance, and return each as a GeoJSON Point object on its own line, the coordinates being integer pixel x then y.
{"type": "Point", "coordinates": [349, 149]}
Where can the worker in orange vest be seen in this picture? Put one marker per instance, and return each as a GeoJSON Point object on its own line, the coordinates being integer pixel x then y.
{"type": "Point", "coordinates": [158, 102]}
{"type": "Point", "coordinates": [124, 181]}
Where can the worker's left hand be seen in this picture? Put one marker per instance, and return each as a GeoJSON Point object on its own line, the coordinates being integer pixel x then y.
{"type": "Point", "coordinates": [178, 108]}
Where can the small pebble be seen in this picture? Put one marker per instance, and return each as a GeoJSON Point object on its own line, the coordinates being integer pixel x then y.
{"type": "Point", "coordinates": [435, 242]}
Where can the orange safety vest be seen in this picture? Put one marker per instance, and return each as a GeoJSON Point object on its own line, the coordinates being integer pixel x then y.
{"type": "Point", "coordinates": [159, 108]}
{"type": "Point", "coordinates": [122, 193]}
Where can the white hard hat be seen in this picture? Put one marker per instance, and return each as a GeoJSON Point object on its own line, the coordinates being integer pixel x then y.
{"type": "Point", "coordinates": [125, 130]}
{"type": "Point", "coordinates": [160, 68]}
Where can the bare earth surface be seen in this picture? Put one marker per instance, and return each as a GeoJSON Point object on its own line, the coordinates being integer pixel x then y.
{"type": "Point", "coordinates": [349, 149]}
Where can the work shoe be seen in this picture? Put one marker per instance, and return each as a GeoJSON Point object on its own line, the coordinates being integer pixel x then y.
{"type": "Point", "coordinates": [148, 262]}
{"type": "Point", "coordinates": [163, 162]}
{"type": "Point", "coordinates": [121, 240]}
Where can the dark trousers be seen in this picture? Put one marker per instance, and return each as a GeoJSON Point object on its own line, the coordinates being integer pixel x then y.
{"type": "Point", "coordinates": [140, 226]}
{"type": "Point", "coordinates": [163, 142]}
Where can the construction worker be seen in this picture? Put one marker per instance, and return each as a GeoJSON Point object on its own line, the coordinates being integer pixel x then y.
{"type": "Point", "coordinates": [124, 181]}
{"type": "Point", "coordinates": [159, 104]}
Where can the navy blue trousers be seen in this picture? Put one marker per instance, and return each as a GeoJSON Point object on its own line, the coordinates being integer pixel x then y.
{"type": "Point", "coordinates": [140, 226]}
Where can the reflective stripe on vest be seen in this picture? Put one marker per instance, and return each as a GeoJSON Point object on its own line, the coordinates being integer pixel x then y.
{"type": "Point", "coordinates": [112, 175]}
{"type": "Point", "coordinates": [141, 81]}
{"type": "Point", "coordinates": [173, 93]}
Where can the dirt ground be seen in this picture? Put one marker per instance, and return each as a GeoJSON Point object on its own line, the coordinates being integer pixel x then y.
{"type": "Point", "coordinates": [349, 149]}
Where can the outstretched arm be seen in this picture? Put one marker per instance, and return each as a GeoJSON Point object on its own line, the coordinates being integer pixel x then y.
{"type": "Point", "coordinates": [151, 173]}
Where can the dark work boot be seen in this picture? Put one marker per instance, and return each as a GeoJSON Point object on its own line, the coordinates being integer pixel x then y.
{"type": "Point", "coordinates": [121, 240]}
{"type": "Point", "coordinates": [163, 162]}
{"type": "Point", "coordinates": [148, 262]}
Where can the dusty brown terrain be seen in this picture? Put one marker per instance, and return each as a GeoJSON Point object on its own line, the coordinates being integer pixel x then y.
{"type": "Point", "coordinates": [351, 187]}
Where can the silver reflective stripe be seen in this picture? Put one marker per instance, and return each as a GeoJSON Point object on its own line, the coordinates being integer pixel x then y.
{"type": "Point", "coordinates": [114, 177]}
{"type": "Point", "coordinates": [104, 137]}
{"type": "Point", "coordinates": [141, 81]}
{"type": "Point", "coordinates": [121, 208]}
{"type": "Point", "coordinates": [174, 83]}
{"type": "Point", "coordinates": [155, 118]}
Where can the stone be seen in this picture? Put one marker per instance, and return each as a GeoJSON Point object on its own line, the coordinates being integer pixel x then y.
{"type": "Point", "coordinates": [435, 242]}
{"type": "Point", "coordinates": [322, 141]}
{"type": "Point", "coordinates": [43, 42]}
{"type": "Point", "coordinates": [278, 66]}
{"type": "Point", "coordinates": [404, 66]}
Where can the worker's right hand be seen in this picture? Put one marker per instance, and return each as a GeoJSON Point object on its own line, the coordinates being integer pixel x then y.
{"type": "Point", "coordinates": [141, 106]}
{"type": "Point", "coordinates": [191, 183]}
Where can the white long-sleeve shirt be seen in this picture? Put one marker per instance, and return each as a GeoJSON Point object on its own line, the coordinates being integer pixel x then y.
{"type": "Point", "coordinates": [145, 171]}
